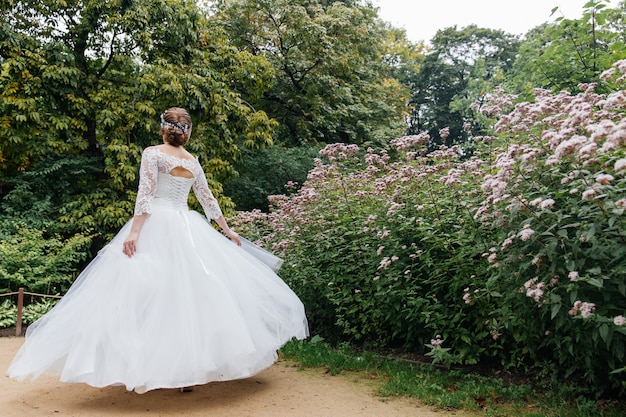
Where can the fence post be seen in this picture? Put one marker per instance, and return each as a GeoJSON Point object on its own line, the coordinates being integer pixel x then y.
{"type": "Point", "coordinates": [20, 306]}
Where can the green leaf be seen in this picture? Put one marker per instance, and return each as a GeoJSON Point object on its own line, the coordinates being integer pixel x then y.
{"type": "Point", "coordinates": [618, 370]}
{"type": "Point", "coordinates": [596, 270]}
{"type": "Point", "coordinates": [604, 332]}
{"type": "Point", "coordinates": [598, 283]}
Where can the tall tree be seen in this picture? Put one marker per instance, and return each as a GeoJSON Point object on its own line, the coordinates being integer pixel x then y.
{"type": "Point", "coordinates": [457, 70]}
{"type": "Point", "coordinates": [561, 55]}
{"type": "Point", "coordinates": [331, 83]}
{"type": "Point", "coordinates": [90, 78]}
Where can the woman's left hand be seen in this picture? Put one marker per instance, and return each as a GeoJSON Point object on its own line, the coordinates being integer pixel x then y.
{"type": "Point", "coordinates": [234, 237]}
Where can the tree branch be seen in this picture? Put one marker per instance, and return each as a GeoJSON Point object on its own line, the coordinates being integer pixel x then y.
{"type": "Point", "coordinates": [111, 54]}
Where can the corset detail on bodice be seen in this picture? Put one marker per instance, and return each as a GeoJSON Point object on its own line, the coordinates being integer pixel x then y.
{"type": "Point", "coordinates": [172, 191]}
{"type": "Point", "coordinates": [158, 187]}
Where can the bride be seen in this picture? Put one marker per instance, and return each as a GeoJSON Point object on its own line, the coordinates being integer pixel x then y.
{"type": "Point", "coordinates": [169, 302]}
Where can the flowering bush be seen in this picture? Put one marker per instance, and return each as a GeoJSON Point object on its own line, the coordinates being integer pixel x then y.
{"type": "Point", "coordinates": [380, 246]}
{"type": "Point", "coordinates": [556, 194]}
{"type": "Point", "coordinates": [516, 252]}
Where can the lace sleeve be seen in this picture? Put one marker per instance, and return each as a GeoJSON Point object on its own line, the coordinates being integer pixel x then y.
{"type": "Point", "coordinates": [205, 196]}
{"type": "Point", "coordinates": [148, 173]}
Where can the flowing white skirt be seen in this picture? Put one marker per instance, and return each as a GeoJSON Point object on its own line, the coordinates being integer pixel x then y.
{"type": "Point", "coordinates": [189, 308]}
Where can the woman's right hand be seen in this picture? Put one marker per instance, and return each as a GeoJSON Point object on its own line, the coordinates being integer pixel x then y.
{"type": "Point", "coordinates": [130, 244]}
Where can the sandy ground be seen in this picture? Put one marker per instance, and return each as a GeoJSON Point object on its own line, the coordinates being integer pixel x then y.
{"type": "Point", "coordinates": [281, 390]}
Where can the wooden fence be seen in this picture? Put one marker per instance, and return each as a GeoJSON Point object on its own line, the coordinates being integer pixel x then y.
{"type": "Point", "coordinates": [20, 305]}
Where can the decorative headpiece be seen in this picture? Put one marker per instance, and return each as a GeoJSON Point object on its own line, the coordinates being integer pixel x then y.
{"type": "Point", "coordinates": [178, 126]}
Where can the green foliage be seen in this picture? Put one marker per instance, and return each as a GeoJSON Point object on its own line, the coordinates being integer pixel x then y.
{"type": "Point", "coordinates": [8, 314]}
{"type": "Point", "coordinates": [333, 78]}
{"type": "Point", "coordinates": [34, 310]}
{"type": "Point", "coordinates": [264, 173]}
{"type": "Point", "coordinates": [462, 67]}
{"type": "Point", "coordinates": [469, 390]}
{"type": "Point", "coordinates": [37, 197]}
{"type": "Point", "coordinates": [37, 261]}
{"type": "Point", "coordinates": [317, 353]}
{"type": "Point", "coordinates": [30, 313]}
{"type": "Point", "coordinates": [94, 86]}
{"type": "Point", "coordinates": [37, 251]}
{"type": "Point", "coordinates": [375, 256]}
{"type": "Point", "coordinates": [561, 55]}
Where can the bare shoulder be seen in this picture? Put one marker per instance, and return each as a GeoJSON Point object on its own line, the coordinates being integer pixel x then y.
{"type": "Point", "coordinates": [186, 153]}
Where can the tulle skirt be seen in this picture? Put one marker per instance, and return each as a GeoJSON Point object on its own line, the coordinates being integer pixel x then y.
{"type": "Point", "coordinates": [189, 308]}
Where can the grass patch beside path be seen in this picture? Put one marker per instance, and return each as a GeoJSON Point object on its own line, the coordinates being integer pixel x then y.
{"type": "Point", "coordinates": [449, 389]}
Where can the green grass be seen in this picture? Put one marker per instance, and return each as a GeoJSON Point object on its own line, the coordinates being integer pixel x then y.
{"type": "Point", "coordinates": [448, 389]}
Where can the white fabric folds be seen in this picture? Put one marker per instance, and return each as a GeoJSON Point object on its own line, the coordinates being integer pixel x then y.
{"type": "Point", "coordinates": [267, 257]}
{"type": "Point", "coordinates": [188, 308]}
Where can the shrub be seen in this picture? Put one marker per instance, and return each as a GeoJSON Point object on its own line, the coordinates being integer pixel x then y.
{"type": "Point", "coordinates": [38, 262]}
{"type": "Point", "coordinates": [557, 196]}
{"type": "Point", "coordinates": [515, 252]}
{"type": "Point", "coordinates": [30, 313]}
{"type": "Point", "coordinates": [380, 248]}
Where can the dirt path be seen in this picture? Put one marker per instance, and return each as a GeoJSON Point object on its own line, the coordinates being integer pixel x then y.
{"type": "Point", "coordinates": [280, 391]}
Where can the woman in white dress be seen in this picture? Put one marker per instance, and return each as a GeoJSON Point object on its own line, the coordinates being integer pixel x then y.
{"type": "Point", "coordinates": [169, 302]}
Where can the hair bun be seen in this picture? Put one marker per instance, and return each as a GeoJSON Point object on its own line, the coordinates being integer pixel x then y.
{"type": "Point", "coordinates": [176, 126]}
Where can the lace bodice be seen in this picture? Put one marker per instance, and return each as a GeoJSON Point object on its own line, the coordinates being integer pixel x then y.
{"type": "Point", "coordinates": [158, 186]}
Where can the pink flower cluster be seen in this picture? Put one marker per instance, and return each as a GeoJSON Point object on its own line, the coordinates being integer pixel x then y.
{"type": "Point", "coordinates": [467, 297]}
{"type": "Point", "coordinates": [409, 142]}
{"type": "Point", "coordinates": [547, 203]}
{"type": "Point", "coordinates": [585, 309]}
{"type": "Point", "coordinates": [575, 140]}
{"type": "Point", "coordinates": [497, 103]}
{"type": "Point", "coordinates": [339, 151]}
{"type": "Point", "coordinates": [534, 289]}
{"type": "Point", "coordinates": [436, 342]}
{"type": "Point", "coordinates": [492, 257]}
{"type": "Point", "coordinates": [507, 243]}
{"type": "Point", "coordinates": [582, 129]}
{"type": "Point", "coordinates": [526, 232]}
{"type": "Point", "coordinates": [386, 261]}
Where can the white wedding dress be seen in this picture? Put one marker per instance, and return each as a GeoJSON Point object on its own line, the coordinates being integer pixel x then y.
{"type": "Point", "coordinates": [189, 308]}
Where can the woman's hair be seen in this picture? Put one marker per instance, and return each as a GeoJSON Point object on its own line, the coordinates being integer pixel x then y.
{"type": "Point", "coordinates": [176, 126]}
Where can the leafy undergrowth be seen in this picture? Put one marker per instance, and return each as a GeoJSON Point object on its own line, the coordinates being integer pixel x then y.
{"type": "Point", "coordinates": [486, 391]}
{"type": "Point", "coordinates": [31, 312]}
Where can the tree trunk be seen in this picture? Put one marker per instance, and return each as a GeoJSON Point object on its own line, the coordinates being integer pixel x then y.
{"type": "Point", "coordinates": [90, 137]}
